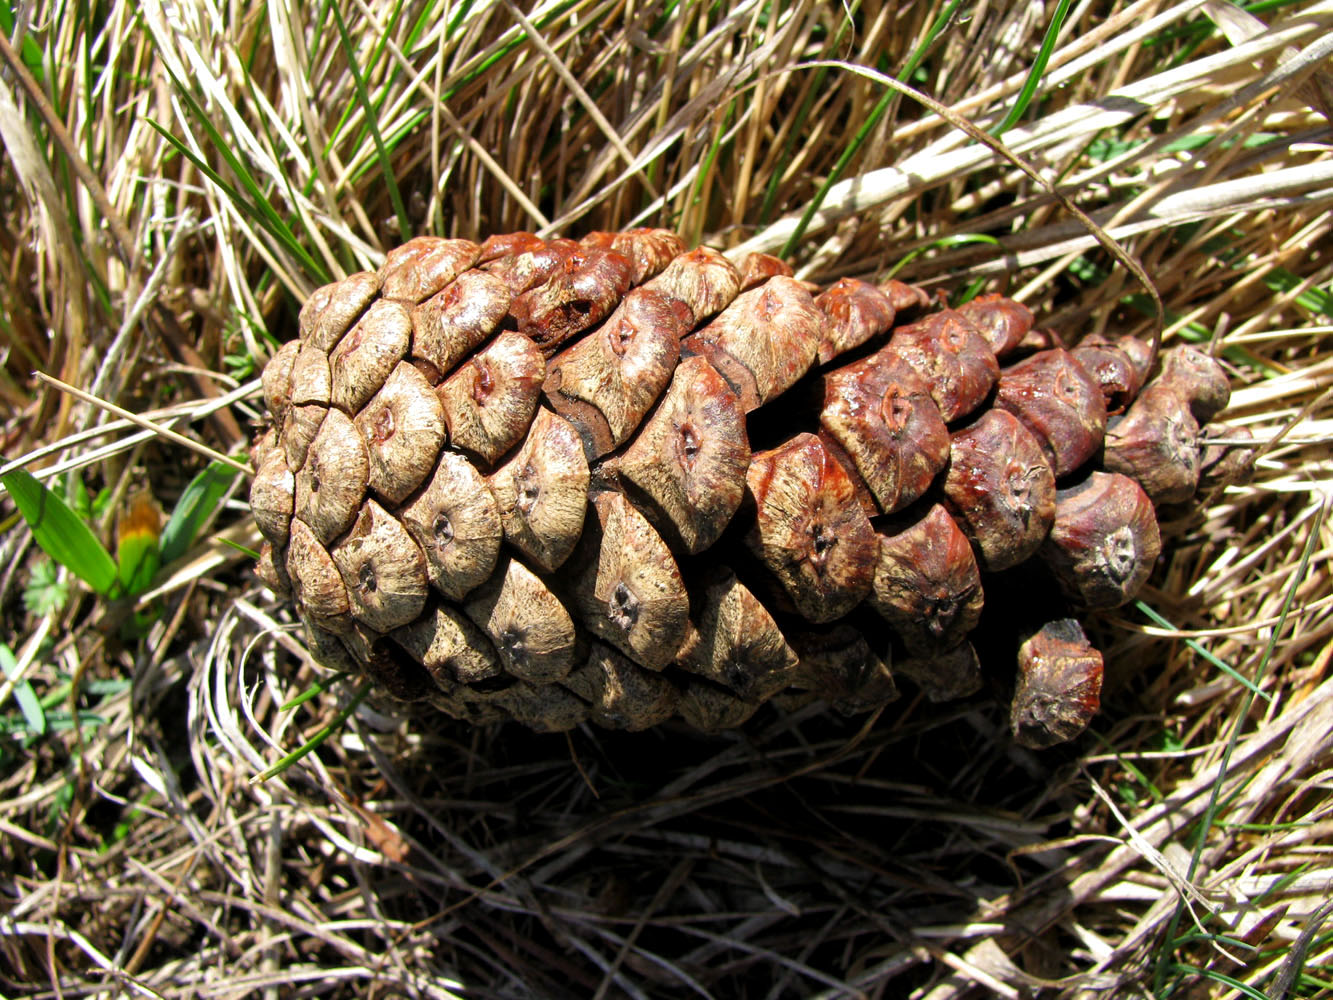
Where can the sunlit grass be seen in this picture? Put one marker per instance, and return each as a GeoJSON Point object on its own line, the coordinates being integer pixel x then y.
{"type": "Point", "coordinates": [241, 155]}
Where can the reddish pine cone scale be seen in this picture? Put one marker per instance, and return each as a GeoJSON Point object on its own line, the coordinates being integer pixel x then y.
{"type": "Point", "coordinates": [516, 480]}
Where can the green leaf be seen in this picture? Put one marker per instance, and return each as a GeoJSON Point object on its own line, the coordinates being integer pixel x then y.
{"type": "Point", "coordinates": [62, 721]}
{"type": "Point", "coordinates": [23, 693]}
{"type": "Point", "coordinates": [106, 687]}
{"type": "Point", "coordinates": [60, 532]}
{"type": "Point", "coordinates": [1101, 150]}
{"type": "Point", "coordinates": [137, 560]}
{"type": "Point", "coordinates": [239, 366]}
{"type": "Point", "coordinates": [137, 553]}
{"type": "Point", "coordinates": [28, 51]}
{"type": "Point", "coordinates": [45, 593]}
{"type": "Point", "coordinates": [1085, 270]}
{"type": "Point", "coordinates": [56, 695]}
{"type": "Point", "coordinates": [197, 504]}
{"type": "Point", "coordinates": [1314, 298]}
{"type": "Point", "coordinates": [81, 502]}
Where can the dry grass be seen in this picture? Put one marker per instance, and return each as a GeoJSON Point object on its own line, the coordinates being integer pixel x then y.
{"type": "Point", "coordinates": [1182, 849]}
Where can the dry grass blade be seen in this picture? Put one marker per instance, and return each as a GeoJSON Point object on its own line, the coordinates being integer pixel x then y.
{"type": "Point", "coordinates": [148, 425]}
{"type": "Point", "coordinates": [185, 174]}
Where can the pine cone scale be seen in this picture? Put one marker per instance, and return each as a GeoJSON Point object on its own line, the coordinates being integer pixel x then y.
{"type": "Point", "coordinates": [515, 479]}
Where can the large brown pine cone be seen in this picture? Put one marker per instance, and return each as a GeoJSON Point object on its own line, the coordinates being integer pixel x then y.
{"type": "Point", "coordinates": [613, 480]}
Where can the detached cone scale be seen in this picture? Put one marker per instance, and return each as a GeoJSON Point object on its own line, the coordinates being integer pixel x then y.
{"type": "Point", "coordinates": [516, 480]}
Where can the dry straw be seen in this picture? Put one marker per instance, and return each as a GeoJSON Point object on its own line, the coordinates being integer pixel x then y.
{"type": "Point", "coordinates": [197, 169]}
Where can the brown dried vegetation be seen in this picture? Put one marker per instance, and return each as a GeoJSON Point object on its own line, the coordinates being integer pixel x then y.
{"type": "Point", "coordinates": [914, 847]}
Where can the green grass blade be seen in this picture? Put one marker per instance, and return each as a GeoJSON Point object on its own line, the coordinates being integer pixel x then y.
{"type": "Point", "coordinates": [315, 741]}
{"type": "Point", "coordinates": [391, 140]}
{"type": "Point", "coordinates": [1314, 298]}
{"type": "Point", "coordinates": [943, 243]}
{"type": "Point", "coordinates": [200, 501]}
{"type": "Point", "coordinates": [969, 293]}
{"type": "Point", "coordinates": [936, 29]}
{"type": "Point", "coordinates": [845, 25]}
{"type": "Point", "coordinates": [60, 532]}
{"type": "Point", "coordinates": [1135, 772]}
{"type": "Point", "coordinates": [259, 212]}
{"type": "Point", "coordinates": [515, 42]}
{"type": "Point", "coordinates": [381, 152]}
{"type": "Point", "coordinates": [63, 722]}
{"type": "Point", "coordinates": [1220, 664]}
{"type": "Point", "coordinates": [302, 218]}
{"type": "Point", "coordinates": [863, 133]}
{"type": "Point", "coordinates": [1222, 940]}
{"type": "Point", "coordinates": [710, 159]}
{"type": "Point", "coordinates": [461, 14]}
{"type": "Point", "coordinates": [1215, 794]}
{"type": "Point", "coordinates": [258, 207]}
{"type": "Point", "coordinates": [15, 725]}
{"type": "Point", "coordinates": [320, 686]}
{"type": "Point", "coordinates": [29, 51]}
{"type": "Point", "coordinates": [1224, 979]}
{"type": "Point", "coordinates": [23, 693]}
{"type": "Point", "coordinates": [106, 687]}
{"type": "Point", "coordinates": [240, 548]}
{"type": "Point", "coordinates": [1290, 970]}
{"type": "Point", "coordinates": [1202, 29]}
{"type": "Point", "coordinates": [394, 70]}
{"type": "Point", "coordinates": [1034, 76]}
{"type": "Point", "coordinates": [57, 695]}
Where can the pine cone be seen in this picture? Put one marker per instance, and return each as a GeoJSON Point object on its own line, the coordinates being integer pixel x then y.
{"type": "Point", "coordinates": [612, 480]}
